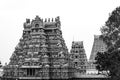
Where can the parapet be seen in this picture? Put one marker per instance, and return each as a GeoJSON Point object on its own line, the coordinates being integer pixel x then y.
{"type": "Point", "coordinates": [77, 43]}
{"type": "Point", "coordinates": [46, 21]}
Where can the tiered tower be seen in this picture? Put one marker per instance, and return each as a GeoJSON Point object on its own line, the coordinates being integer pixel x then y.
{"type": "Point", "coordinates": [41, 52]}
{"type": "Point", "coordinates": [78, 58]}
{"type": "Point", "coordinates": [98, 46]}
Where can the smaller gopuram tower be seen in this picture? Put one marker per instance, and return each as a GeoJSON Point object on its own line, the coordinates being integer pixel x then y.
{"type": "Point", "coordinates": [78, 58]}
{"type": "Point", "coordinates": [98, 46]}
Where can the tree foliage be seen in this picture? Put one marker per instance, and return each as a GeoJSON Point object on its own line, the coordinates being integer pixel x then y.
{"type": "Point", "coordinates": [110, 59]}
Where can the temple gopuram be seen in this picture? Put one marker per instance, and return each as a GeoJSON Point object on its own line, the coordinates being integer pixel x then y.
{"type": "Point", "coordinates": [78, 58]}
{"type": "Point", "coordinates": [98, 46]}
{"type": "Point", "coordinates": [41, 52]}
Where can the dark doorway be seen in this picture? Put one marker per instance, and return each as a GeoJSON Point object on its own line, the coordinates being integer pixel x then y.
{"type": "Point", "coordinates": [31, 72]}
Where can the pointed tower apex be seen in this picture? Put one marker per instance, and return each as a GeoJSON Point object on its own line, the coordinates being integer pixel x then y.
{"type": "Point", "coordinates": [57, 19]}
{"type": "Point", "coordinates": [48, 19]}
{"type": "Point", "coordinates": [45, 20]}
{"type": "Point", "coordinates": [52, 20]}
{"type": "Point", "coordinates": [37, 17]}
{"type": "Point", "coordinates": [27, 20]}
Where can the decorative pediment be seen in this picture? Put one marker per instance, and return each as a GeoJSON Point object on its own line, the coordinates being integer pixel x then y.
{"type": "Point", "coordinates": [37, 23]}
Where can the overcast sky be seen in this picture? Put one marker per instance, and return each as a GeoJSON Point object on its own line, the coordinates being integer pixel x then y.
{"type": "Point", "coordinates": [80, 20]}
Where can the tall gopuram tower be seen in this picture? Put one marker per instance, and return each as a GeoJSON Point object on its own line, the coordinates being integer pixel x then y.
{"type": "Point", "coordinates": [98, 46]}
{"type": "Point", "coordinates": [41, 52]}
{"type": "Point", "coordinates": [78, 59]}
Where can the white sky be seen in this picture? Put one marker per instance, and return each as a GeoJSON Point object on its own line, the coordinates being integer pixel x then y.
{"type": "Point", "coordinates": [80, 20]}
